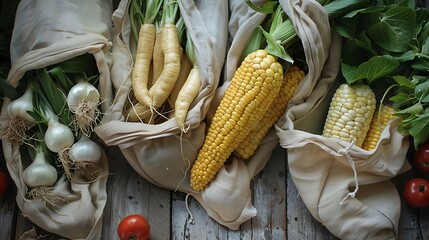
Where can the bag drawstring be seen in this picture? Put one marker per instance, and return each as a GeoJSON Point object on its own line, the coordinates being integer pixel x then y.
{"type": "Point", "coordinates": [352, 164]}
{"type": "Point", "coordinates": [186, 163]}
{"type": "Point", "coordinates": [191, 218]}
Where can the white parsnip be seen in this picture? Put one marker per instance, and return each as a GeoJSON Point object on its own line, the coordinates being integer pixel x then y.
{"type": "Point", "coordinates": [186, 96]}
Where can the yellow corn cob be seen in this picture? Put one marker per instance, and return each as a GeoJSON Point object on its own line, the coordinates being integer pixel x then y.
{"type": "Point", "coordinates": [377, 126]}
{"type": "Point", "coordinates": [252, 90]}
{"type": "Point", "coordinates": [350, 113]}
{"type": "Point", "coordinates": [291, 80]}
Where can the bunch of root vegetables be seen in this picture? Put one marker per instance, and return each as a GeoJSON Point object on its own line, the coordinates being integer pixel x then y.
{"type": "Point", "coordinates": [165, 76]}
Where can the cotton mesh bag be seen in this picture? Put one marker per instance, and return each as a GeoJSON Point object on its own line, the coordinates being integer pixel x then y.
{"type": "Point", "coordinates": [46, 33]}
{"type": "Point", "coordinates": [344, 187]}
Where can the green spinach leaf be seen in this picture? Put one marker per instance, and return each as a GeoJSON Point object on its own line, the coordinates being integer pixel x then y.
{"type": "Point", "coordinates": [395, 29]}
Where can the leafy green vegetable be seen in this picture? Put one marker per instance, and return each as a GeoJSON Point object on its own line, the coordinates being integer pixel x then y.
{"type": "Point", "coordinates": [395, 29]}
{"type": "Point", "coordinates": [371, 70]}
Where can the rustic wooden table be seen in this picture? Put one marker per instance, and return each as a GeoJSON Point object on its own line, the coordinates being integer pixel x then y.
{"type": "Point", "coordinates": [281, 212]}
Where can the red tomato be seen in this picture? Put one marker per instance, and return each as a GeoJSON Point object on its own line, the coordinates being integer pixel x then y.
{"type": "Point", "coordinates": [416, 193]}
{"type": "Point", "coordinates": [421, 158]}
{"type": "Point", "coordinates": [4, 183]}
{"type": "Point", "coordinates": [134, 227]}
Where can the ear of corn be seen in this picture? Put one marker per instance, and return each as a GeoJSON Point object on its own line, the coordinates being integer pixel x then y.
{"type": "Point", "coordinates": [252, 90]}
{"type": "Point", "coordinates": [291, 79]}
{"type": "Point", "coordinates": [379, 122]}
{"type": "Point", "coordinates": [350, 113]}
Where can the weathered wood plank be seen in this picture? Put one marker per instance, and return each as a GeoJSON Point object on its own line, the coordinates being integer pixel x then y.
{"type": "Point", "coordinates": [424, 222]}
{"type": "Point", "coordinates": [203, 227]}
{"type": "Point", "coordinates": [129, 193]}
{"type": "Point", "coordinates": [23, 225]}
{"type": "Point", "coordinates": [269, 198]}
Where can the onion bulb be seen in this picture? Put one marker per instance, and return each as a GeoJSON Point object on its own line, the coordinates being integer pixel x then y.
{"type": "Point", "coordinates": [40, 173]}
{"type": "Point", "coordinates": [58, 136]}
{"type": "Point", "coordinates": [20, 106]}
{"type": "Point", "coordinates": [82, 91]}
{"type": "Point", "coordinates": [85, 150]}
{"type": "Point", "coordinates": [83, 100]}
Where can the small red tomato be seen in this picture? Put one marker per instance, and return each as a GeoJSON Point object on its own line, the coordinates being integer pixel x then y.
{"type": "Point", "coordinates": [4, 183]}
{"type": "Point", "coordinates": [421, 158]}
{"type": "Point", "coordinates": [134, 227]}
{"type": "Point", "coordinates": [416, 193]}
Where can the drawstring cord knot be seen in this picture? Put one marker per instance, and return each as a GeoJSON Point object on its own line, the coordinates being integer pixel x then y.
{"type": "Point", "coordinates": [191, 218]}
{"type": "Point", "coordinates": [346, 152]}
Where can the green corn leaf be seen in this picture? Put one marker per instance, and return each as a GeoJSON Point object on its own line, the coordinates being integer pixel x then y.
{"type": "Point", "coordinates": [267, 8]}
{"type": "Point", "coordinates": [254, 43]}
{"type": "Point", "coordinates": [274, 48]}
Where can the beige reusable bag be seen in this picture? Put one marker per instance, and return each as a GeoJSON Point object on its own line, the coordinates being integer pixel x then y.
{"type": "Point", "coordinates": [344, 187]}
{"type": "Point", "coordinates": [48, 32]}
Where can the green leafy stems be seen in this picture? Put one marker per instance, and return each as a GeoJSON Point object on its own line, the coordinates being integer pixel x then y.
{"type": "Point", "coordinates": [157, 12]}
{"type": "Point", "coordinates": [143, 12]}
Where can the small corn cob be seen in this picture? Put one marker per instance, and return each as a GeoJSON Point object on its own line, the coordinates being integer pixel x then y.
{"type": "Point", "coordinates": [385, 115]}
{"type": "Point", "coordinates": [350, 113]}
{"type": "Point", "coordinates": [252, 90]}
{"type": "Point", "coordinates": [291, 79]}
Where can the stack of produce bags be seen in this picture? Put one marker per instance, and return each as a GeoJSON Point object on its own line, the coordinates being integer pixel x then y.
{"type": "Point", "coordinates": [48, 142]}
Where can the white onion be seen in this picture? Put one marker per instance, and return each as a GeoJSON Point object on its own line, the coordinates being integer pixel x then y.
{"type": "Point", "coordinates": [40, 172]}
{"type": "Point", "coordinates": [82, 91]}
{"type": "Point", "coordinates": [85, 150]}
{"type": "Point", "coordinates": [58, 136]}
{"type": "Point", "coordinates": [21, 105]}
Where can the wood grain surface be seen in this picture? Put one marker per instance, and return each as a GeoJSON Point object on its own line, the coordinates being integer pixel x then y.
{"type": "Point", "coordinates": [281, 212]}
